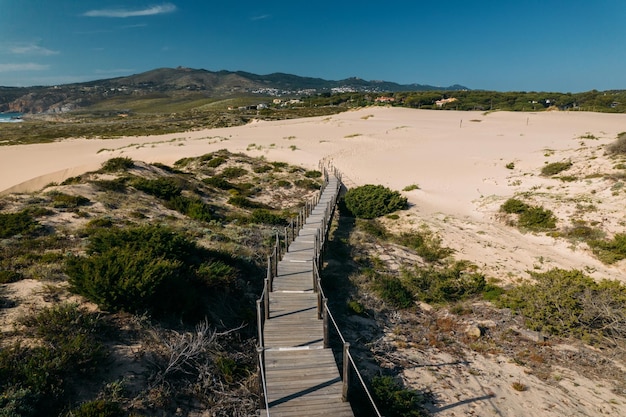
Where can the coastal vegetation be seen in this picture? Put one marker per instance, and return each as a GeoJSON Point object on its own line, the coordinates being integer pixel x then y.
{"type": "Point", "coordinates": [156, 274]}
{"type": "Point", "coordinates": [371, 201]}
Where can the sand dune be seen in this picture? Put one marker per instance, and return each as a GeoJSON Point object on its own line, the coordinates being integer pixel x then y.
{"type": "Point", "coordinates": [459, 160]}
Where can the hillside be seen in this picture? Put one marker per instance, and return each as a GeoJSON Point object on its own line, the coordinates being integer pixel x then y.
{"type": "Point", "coordinates": [177, 81]}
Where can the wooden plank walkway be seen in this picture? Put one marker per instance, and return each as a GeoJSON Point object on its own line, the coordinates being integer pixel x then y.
{"type": "Point", "coordinates": [301, 376]}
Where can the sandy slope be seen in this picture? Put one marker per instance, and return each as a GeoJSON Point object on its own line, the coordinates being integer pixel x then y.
{"type": "Point", "coordinates": [459, 160]}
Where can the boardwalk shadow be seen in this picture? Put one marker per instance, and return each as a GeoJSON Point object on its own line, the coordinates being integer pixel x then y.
{"type": "Point", "coordinates": [304, 392]}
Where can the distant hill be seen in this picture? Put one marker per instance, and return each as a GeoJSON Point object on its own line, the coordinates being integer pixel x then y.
{"type": "Point", "coordinates": [220, 84]}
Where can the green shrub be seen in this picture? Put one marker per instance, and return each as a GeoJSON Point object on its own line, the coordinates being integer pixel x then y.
{"type": "Point", "coordinates": [569, 303]}
{"type": "Point", "coordinates": [193, 208]}
{"type": "Point", "coordinates": [354, 307]}
{"type": "Point", "coordinates": [117, 185]}
{"type": "Point", "coordinates": [62, 200]}
{"type": "Point", "coordinates": [279, 166]}
{"type": "Point", "coordinates": [215, 162]}
{"type": "Point", "coordinates": [98, 408]}
{"type": "Point", "coordinates": [439, 285]}
{"type": "Point", "coordinates": [530, 217]}
{"type": "Point", "coordinates": [260, 169]}
{"type": "Point", "coordinates": [16, 401]}
{"type": "Point", "coordinates": [313, 174]}
{"type": "Point", "coordinates": [218, 182]}
{"type": "Point", "coordinates": [513, 205]}
{"type": "Point", "coordinates": [610, 251]}
{"type": "Point", "coordinates": [395, 400]}
{"type": "Point", "coordinates": [307, 184]}
{"type": "Point", "coordinates": [267, 217]}
{"type": "Point", "coordinates": [426, 245]}
{"type": "Point", "coordinates": [555, 168]}
{"type": "Point", "coordinates": [371, 201]}
{"type": "Point", "coordinates": [21, 223]}
{"type": "Point", "coordinates": [243, 202]}
{"type": "Point", "coordinates": [117, 164]}
{"type": "Point", "coordinates": [163, 187]}
{"type": "Point", "coordinates": [35, 380]}
{"type": "Point", "coordinates": [411, 187]}
{"type": "Point", "coordinates": [139, 269]}
{"type": "Point", "coordinates": [510, 165]}
{"type": "Point", "coordinates": [391, 290]}
{"type": "Point", "coordinates": [537, 219]}
{"type": "Point", "coordinates": [233, 172]}
{"type": "Point", "coordinates": [7, 276]}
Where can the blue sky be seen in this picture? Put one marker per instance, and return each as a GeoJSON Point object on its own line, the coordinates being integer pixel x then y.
{"type": "Point", "coordinates": [505, 45]}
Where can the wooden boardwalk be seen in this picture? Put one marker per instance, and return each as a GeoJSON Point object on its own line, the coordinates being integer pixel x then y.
{"type": "Point", "coordinates": [301, 376]}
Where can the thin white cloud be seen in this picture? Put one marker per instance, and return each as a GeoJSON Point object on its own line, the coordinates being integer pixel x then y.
{"type": "Point", "coordinates": [32, 49]}
{"type": "Point", "coordinates": [28, 66]}
{"type": "Point", "coordinates": [261, 17]}
{"type": "Point", "coordinates": [123, 13]}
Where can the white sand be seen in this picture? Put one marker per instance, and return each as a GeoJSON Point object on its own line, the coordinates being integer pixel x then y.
{"type": "Point", "coordinates": [457, 158]}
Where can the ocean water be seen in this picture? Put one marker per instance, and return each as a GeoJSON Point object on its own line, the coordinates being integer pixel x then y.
{"type": "Point", "coordinates": [10, 117]}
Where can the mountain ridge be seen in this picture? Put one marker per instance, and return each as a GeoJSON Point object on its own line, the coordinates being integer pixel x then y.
{"type": "Point", "coordinates": [217, 84]}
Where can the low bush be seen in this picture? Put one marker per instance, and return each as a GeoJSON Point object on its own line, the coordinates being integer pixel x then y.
{"type": "Point", "coordinates": [439, 285]}
{"type": "Point", "coordinates": [67, 201]}
{"type": "Point", "coordinates": [371, 201]}
{"type": "Point", "coordinates": [313, 174]}
{"type": "Point", "coordinates": [233, 172]}
{"type": "Point", "coordinates": [163, 187]}
{"type": "Point", "coordinates": [610, 251]}
{"type": "Point", "coordinates": [555, 168]}
{"type": "Point", "coordinates": [514, 206]}
{"type": "Point", "coordinates": [267, 217]}
{"type": "Point", "coordinates": [191, 207]}
{"type": "Point", "coordinates": [569, 303]}
{"type": "Point", "coordinates": [537, 219]}
{"type": "Point", "coordinates": [395, 400]}
{"type": "Point", "coordinates": [117, 164]}
{"type": "Point", "coordinates": [244, 202]}
{"type": "Point", "coordinates": [35, 380]}
{"type": "Point", "coordinates": [215, 162]}
{"type": "Point", "coordinates": [117, 185]}
{"type": "Point", "coordinates": [218, 182]}
{"type": "Point", "coordinates": [139, 269]}
{"type": "Point", "coordinates": [427, 245]}
{"type": "Point", "coordinates": [98, 408]}
{"type": "Point", "coordinates": [260, 169]}
{"type": "Point", "coordinates": [530, 217]}
{"type": "Point", "coordinates": [21, 223]}
{"type": "Point", "coordinates": [307, 184]}
{"type": "Point", "coordinates": [392, 291]}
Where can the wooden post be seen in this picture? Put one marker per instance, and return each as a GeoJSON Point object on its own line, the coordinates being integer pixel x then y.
{"type": "Point", "coordinates": [320, 302]}
{"type": "Point", "coordinates": [346, 372]}
{"type": "Point", "coordinates": [259, 321]}
{"type": "Point", "coordinates": [267, 300]}
{"type": "Point", "coordinates": [286, 240]}
{"type": "Point", "coordinates": [325, 316]}
{"type": "Point", "coordinates": [261, 358]}
{"type": "Point", "coordinates": [315, 275]}
{"type": "Point", "coordinates": [269, 276]}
